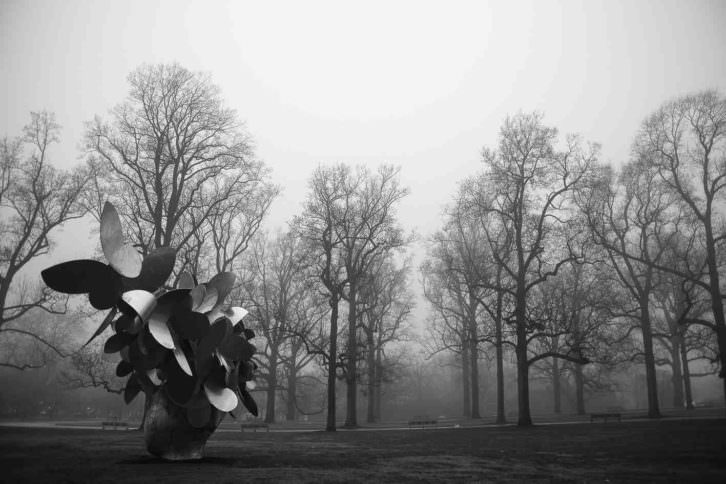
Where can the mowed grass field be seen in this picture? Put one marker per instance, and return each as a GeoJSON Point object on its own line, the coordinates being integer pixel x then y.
{"type": "Point", "coordinates": [641, 451]}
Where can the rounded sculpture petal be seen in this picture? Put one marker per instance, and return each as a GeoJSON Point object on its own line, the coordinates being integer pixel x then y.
{"type": "Point", "coordinates": [197, 294]}
{"type": "Point", "coordinates": [117, 342]}
{"type": "Point", "coordinates": [139, 303]}
{"type": "Point", "coordinates": [155, 270]}
{"type": "Point", "coordinates": [186, 281]}
{"type": "Point", "coordinates": [209, 301]}
{"type": "Point", "coordinates": [123, 257]}
{"type": "Point", "coordinates": [181, 358]}
{"type": "Point", "coordinates": [235, 314]}
{"type": "Point", "coordinates": [221, 397]}
{"type": "Point", "coordinates": [75, 277]}
{"type": "Point", "coordinates": [217, 332]}
{"type": "Point", "coordinates": [223, 283]}
{"type": "Point", "coordinates": [160, 331]}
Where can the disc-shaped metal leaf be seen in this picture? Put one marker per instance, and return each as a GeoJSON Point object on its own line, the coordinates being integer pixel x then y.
{"type": "Point", "coordinates": [233, 347]}
{"type": "Point", "coordinates": [232, 379]}
{"type": "Point", "coordinates": [128, 324]}
{"type": "Point", "coordinates": [105, 294]}
{"type": "Point", "coordinates": [209, 301]}
{"type": "Point", "coordinates": [221, 397]}
{"type": "Point", "coordinates": [104, 324]}
{"type": "Point", "coordinates": [133, 387]}
{"type": "Point", "coordinates": [217, 332]}
{"type": "Point", "coordinates": [138, 303]}
{"type": "Point", "coordinates": [74, 277]}
{"type": "Point", "coordinates": [189, 324]}
{"type": "Point", "coordinates": [154, 356]}
{"type": "Point", "coordinates": [186, 281]}
{"type": "Point", "coordinates": [123, 257]}
{"type": "Point", "coordinates": [117, 342]}
{"type": "Point", "coordinates": [155, 270]}
{"type": "Point", "coordinates": [181, 359]}
{"type": "Point", "coordinates": [235, 314]}
{"type": "Point", "coordinates": [197, 294]}
{"type": "Point", "coordinates": [223, 283]}
{"type": "Point", "coordinates": [160, 332]}
{"type": "Point", "coordinates": [179, 385]}
{"type": "Point", "coordinates": [204, 366]}
{"type": "Point", "coordinates": [198, 417]}
{"type": "Point", "coordinates": [123, 368]}
{"type": "Point", "coordinates": [248, 401]}
{"type": "Point", "coordinates": [153, 377]}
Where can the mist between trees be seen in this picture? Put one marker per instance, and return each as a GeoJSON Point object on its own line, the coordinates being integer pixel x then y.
{"type": "Point", "coordinates": [597, 286]}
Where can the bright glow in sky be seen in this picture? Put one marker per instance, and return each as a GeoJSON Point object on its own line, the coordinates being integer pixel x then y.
{"type": "Point", "coordinates": [424, 85]}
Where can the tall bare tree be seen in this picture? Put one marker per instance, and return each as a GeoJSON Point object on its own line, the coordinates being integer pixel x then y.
{"type": "Point", "coordinates": [526, 191]}
{"type": "Point", "coordinates": [35, 199]}
{"type": "Point", "coordinates": [685, 140]}
{"type": "Point", "coordinates": [178, 165]}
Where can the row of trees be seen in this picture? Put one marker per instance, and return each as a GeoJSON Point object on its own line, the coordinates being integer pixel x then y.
{"type": "Point", "coordinates": [180, 168]}
{"type": "Point", "coordinates": [568, 262]}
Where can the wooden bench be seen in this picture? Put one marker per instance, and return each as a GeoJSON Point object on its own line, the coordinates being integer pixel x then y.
{"type": "Point", "coordinates": [115, 424]}
{"type": "Point", "coordinates": [604, 416]}
{"type": "Point", "coordinates": [422, 421]}
{"type": "Point", "coordinates": [254, 425]}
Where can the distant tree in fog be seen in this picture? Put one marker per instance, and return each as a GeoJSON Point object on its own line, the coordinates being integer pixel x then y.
{"type": "Point", "coordinates": [35, 199]}
{"type": "Point", "coordinates": [385, 305]}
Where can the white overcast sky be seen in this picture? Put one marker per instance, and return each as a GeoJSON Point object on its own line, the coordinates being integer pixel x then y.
{"type": "Point", "coordinates": [423, 85]}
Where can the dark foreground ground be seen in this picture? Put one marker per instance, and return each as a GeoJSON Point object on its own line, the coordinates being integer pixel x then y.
{"type": "Point", "coordinates": [644, 451]}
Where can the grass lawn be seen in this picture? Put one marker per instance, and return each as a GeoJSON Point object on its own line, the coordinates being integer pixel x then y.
{"type": "Point", "coordinates": [645, 451]}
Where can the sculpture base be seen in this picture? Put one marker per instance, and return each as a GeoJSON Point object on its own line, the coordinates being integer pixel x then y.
{"type": "Point", "coordinates": [168, 433]}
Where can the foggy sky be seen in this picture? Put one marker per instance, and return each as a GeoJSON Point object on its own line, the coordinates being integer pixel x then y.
{"type": "Point", "coordinates": [424, 85]}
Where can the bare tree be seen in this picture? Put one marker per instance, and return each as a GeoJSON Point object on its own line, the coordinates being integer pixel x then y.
{"type": "Point", "coordinates": [316, 226]}
{"type": "Point", "coordinates": [632, 221]}
{"type": "Point", "coordinates": [385, 304]}
{"type": "Point", "coordinates": [685, 140]}
{"type": "Point", "coordinates": [177, 165]}
{"type": "Point", "coordinates": [526, 191]}
{"type": "Point", "coordinates": [35, 199]}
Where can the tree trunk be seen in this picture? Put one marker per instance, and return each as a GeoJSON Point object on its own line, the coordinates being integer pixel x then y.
{"type": "Point", "coordinates": [525, 417]}
{"type": "Point", "coordinates": [579, 389]}
{"type": "Point", "coordinates": [686, 375]}
{"type": "Point", "coordinates": [291, 413]}
{"type": "Point", "coordinates": [379, 382]}
{"type": "Point", "coordinates": [351, 380]}
{"type": "Point", "coordinates": [716, 299]}
{"type": "Point", "coordinates": [677, 376]}
{"type": "Point", "coordinates": [556, 385]}
{"type": "Point", "coordinates": [371, 364]}
{"type": "Point", "coordinates": [271, 390]}
{"type": "Point", "coordinates": [474, 355]}
{"type": "Point", "coordinates": [466, 380]}
{"type": "Point", "coordinates": [650, 373]}
{"type": "Point", "coordinates": [501, 418]}
{"type": "Point", "coordinates": [332, 360]}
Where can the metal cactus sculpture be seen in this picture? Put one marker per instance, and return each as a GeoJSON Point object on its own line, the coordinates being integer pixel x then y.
{"type": "Point", "coordinates": [189, 354]}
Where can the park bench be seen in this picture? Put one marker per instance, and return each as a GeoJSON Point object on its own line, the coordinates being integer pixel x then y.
{"type": "Point", "coordinates": [422, 421]}
{"type": "Point", "coordinates": [604, 416]}
{"type": "Point", "coordinates": [114, 423]}
{"type": "Point", "coordinates": [254, 425]}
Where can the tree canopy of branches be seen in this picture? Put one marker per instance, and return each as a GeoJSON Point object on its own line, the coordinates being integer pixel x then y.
{"type": "Point", "coordinates": [523, 200]}
{"type": "Point", "coordinates": [349, 221]}
{"type": "Point", "coordinates": [685, 141]}
{"type": "Point", "coordinates": [35, 199]}
{"type": "Point", "coordinates": [179, 167]}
